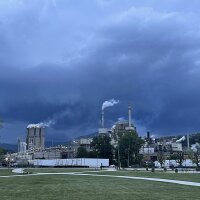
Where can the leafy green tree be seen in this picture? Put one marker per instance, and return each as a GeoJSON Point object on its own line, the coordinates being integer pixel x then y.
{"type": "Point", "coordinates": [179, 157]}
{"type": "Point", "coordinates": [92, 154]}
{"type": "Point", "coordinates": [129, 146]}
{"type": "Point", "coordinates": [195, 154]}
{"type": "Point", "coordinates": [82, 152]}
{"type": "Point", "coordinates": [102, 148]}
{"type": "Point", "coordinates": [161, 158]}
{"type": "Point", "coordinates": [2, 151]}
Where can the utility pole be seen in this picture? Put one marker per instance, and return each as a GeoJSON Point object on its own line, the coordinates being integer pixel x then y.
{"type": "Point", "coordinates": [128, 157]}
{"type": "Point", "coordinates": [188, 142]}
{"type": "Point", "coordinates": [119, 162]}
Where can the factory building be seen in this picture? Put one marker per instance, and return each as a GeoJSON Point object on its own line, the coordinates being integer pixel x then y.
{"type": "Point", "coordinates": [35, 137]}
{"type": "Point", "coordinates": [124, 126]}
{"type": "Point", "coordinates": [21, 146]}
{"type": "Point", "coordinates": [121, 127]}
{"type": "Point", "coordinates": [103, 130]}
{"type": "Point", "coordinates": [85, 142]}
{"type": "Point", "coordinates": [58, 152]}
{"type": "Point", "coordinates": [167, 147]}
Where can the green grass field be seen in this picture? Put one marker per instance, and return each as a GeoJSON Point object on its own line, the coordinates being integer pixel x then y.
{"type": "Point", "coordinates": [52, 187]}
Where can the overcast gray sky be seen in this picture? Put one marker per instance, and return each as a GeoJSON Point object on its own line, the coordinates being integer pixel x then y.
{"type": "Point", "coordinates": [61, 59]}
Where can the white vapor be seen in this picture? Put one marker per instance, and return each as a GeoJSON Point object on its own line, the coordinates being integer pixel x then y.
{"type": "Point", "coordinates": [195, 147]}
{"type": "Point", "coordinates": [109, 103]}
{"type": "Point", "coordinates": [41, 124]}
{"type": "Point", "coordinates": [181, 139]}
{"type": "Point", "coordinates": [121, 119]}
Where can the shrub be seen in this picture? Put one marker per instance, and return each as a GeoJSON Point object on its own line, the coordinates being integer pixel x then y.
{"type": "Point", "coordinates": [198, 169]}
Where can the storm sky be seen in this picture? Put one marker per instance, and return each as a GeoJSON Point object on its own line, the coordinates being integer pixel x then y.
{"type": "Point", "coordinates": [61, 59]}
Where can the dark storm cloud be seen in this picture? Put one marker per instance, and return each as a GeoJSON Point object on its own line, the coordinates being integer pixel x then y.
{"type": "Point", "coordinates": [139, 53]}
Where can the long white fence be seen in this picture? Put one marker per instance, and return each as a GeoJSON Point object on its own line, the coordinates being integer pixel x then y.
{"type": "Point", "coordinates": [87, 162]}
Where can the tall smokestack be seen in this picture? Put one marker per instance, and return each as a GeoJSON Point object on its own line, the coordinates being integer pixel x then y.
{"type": "Point", "coordinates": [148, 135]}
{"type": "Point", "coordinates": [129, 115]}
{"type": "Point", "coordinates": [102, 119]}
{"type": "Point", "coordinates": [188, 142]}
{"type": "Point", "coordinates": [106, 104]}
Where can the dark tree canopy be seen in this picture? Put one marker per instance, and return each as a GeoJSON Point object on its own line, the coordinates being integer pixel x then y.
{"type": "Point", "coordinates": [82, 152]}
{"type": "Point", "coordinates": [129, 146]}
{"type": "Point", "coordinates": [102, 147]}
{"type": "Point", "coordinates": [2, 151]}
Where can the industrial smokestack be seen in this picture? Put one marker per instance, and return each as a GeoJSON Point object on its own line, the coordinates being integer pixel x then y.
{"type": "Point", "coordinates": [129, 115]}
{"type": "Point", "coordinates": [148, 135]}
{"type": "Point", "coordinates": [130, 127]}
{"type": "Point", "coordinates": [102, 118]}
{"type": "Point", "coordinates": [106, 104]}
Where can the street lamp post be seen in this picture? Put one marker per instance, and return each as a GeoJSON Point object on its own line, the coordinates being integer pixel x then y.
{"type": "Point", "coordinates": [7, 162]}
{"type": "Point", "coordinates": [119, 161]}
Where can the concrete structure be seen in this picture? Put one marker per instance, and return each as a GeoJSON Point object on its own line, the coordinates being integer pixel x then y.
{"type": "Point", "coordinates": [147, 150]}
{"type": "Point", "coordinates": [35, 138]}
{"type": "Point", "coordinates": [121, 127]}
{"type": "Point", "coordinates": [104, 131]}
{"type": "Point", "coordinates": [130, 126]}
{"type": "Point", "coordinates": [169, 163]}
{"type": "Point", "coordinates": [21, 146]}
{"type": "Point", "coordinates": [85, 142]}
{"type": "Point", "coordinates": [58, 152]}
{"type": "Point", "coordinates": [176, 147]}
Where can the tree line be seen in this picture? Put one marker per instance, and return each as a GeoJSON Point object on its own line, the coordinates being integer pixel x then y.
{"type": "Point", "coordinates": [126, 151]}
{"type": "Point", "coordinates": [124, 154]}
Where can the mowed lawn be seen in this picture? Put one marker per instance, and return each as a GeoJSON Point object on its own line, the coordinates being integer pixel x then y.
{"type": "Point", "coordinates": [52, 187]}
{"type": "Point", "coordinates": [194, 177]}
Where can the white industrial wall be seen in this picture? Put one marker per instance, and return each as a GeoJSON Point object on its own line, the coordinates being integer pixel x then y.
{"type": "Point", "coordinates": [168, 163]}
{"type": "Point", "coordinates": [90, 162]}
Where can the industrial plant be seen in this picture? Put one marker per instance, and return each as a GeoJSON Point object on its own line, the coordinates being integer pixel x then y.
{"type": "Point", "coordinates": [33, 152]}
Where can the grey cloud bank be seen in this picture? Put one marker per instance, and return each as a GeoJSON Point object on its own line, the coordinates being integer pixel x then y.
{"type": "Point", "coordinates": [60, 60]}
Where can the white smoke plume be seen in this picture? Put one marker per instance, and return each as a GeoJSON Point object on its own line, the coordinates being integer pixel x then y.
{"type": "Point", "coordinates": [121, 119]}
{"type": "Point", "coordinates": [181, 139]}
{"type": "Point", "coordinates": [109, 103]}
{"type": "Point", "coordinates": [41, 124]}
{"type": "Point", "coordinates": [195, 147]}
{"type": "Point", "coordinates": [153, 137]}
